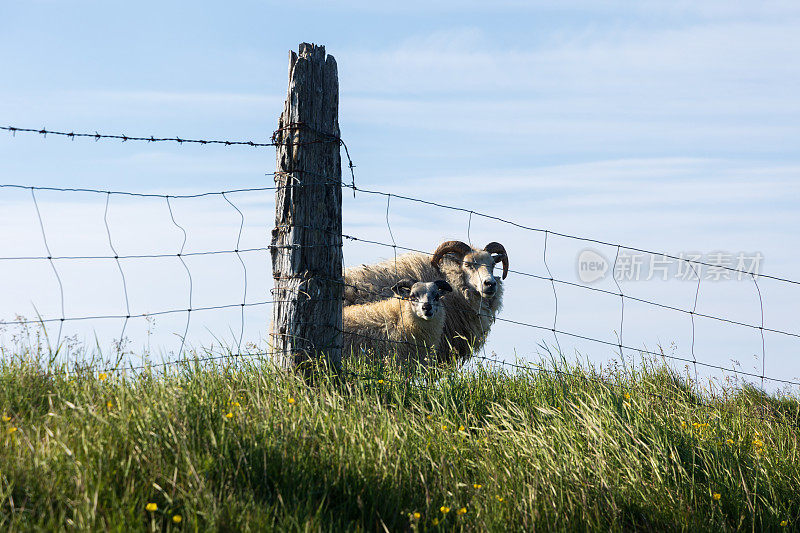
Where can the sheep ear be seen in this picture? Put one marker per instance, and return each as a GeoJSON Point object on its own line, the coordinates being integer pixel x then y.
{"type": "Point", "coordinates": [443, 286]}
{"type": "Point", "coordinates": [403, 287]}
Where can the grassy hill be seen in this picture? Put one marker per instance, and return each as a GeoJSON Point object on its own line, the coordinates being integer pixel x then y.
{"type": "Point", "coordinates": [247, 447]}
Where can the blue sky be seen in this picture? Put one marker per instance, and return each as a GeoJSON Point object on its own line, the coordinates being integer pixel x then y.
{"type": "Point", "coordinates": [668, 126]}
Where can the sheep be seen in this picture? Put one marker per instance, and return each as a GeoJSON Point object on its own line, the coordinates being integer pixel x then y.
{"type": "Point", "coordinates": [470, 309]}
{"type": "Point", "coordinates": [408, 325]}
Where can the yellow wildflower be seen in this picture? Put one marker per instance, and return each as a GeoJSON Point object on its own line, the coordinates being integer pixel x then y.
{"type": "Point", "coordinates": [435, 521]}
{"type": "Point", "coordinates": [444, 427]}
{"type": "Point", "coordinates": [11, 430]}
{"type": "Point", "coordinates": [477, 486]}
{"type": "Point", "coordinates": [461, 511]}
{"type": "Point", "coordinates": [683, 424]}
{"type": "Point", "coordinates": [177, 518]}
{"type": "Point", "coordinates": [102, 376]}
{"type": "Point", "coordinates": [444, 509]}
{"type": "Point", "coordinates": [6, 418]}
{"type": "Point", "coordinates": [109, 404]}
{"type": "Point", "coordinates": [236, 404]}
{"type": "Point", "coordinates": [627, 395]}
{"type": "Point", "coordinates": [461, 428]}
{"type": "Point", "coordinates": [417, 516]}
{"type": "Point", "coordinates": [380, 381]}
{"type": "Point", "coordinates": [151, 507]}
{"type": "Point", "coordinates": [499, 498]}
{"type": "Point", "coordinates": [784, 523]}
{"type": "Point", "coordinates": [717, 496]}
{"type": "Point", "coordinates": [729, 441]}
{"type": "Point", "coordinates": [229, 415]}
{"type": "Point", "coordinates": [291, 401]}
{"type": "Point", "coordinates": [429, 417]}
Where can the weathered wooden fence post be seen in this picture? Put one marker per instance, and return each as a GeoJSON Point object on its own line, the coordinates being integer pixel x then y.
{"type": "Point", "coordinates": [307, 238]}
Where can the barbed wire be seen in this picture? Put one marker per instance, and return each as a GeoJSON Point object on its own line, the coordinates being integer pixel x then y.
{"type": "Point", "coordinates": [151, 139]}
{"type": "Point", "coordinates": [278, 139]}
{"type": "Point", "coordinates": [331, 138]}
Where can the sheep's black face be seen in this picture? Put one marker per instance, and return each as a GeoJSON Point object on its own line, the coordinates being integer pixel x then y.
{"type": "Point", "coordinates": [425, 298]}
{"type": "Point", "coordinates": [478, 268]}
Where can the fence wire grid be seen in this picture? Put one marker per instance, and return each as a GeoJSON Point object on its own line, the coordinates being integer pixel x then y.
{"type": "Point", "coordinates": [247, 301]}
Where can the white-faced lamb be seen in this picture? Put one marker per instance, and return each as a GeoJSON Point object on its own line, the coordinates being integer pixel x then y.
{"type": "Point", "coordinates": [407, 326]}
{"type": "Point", "coordinates": [471, 308]}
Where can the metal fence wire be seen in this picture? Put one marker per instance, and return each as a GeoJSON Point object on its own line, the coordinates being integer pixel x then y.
{"type": "Point", "coordinates": [248, 301]}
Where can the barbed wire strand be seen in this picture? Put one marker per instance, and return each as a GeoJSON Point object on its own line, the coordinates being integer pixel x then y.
{"type": "Point", "coordinates": [395, 247]}
{"type": "Point", "coordinates": [124, 138]}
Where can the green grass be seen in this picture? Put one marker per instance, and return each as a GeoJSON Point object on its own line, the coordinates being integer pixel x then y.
{"type": "Point", "coordinates": [248, 447]}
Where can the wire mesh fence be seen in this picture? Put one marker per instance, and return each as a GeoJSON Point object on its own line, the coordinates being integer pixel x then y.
{"type": "Point", "coordinates": [248, 255]}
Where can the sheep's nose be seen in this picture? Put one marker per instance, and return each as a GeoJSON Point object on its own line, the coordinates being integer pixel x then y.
{"type": "Point", "coordinates": [489, 283]}
{"type": "Point", "coordinates": [427, 307]}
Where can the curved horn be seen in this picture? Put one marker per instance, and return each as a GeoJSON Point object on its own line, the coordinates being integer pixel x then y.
{"type": "Point", "coordinates": [455, 247]}
{"type": "Point", "coordinates": [497, 248]}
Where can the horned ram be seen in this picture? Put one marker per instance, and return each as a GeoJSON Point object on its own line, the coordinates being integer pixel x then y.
{"type": "Point", "coordinates": [470, 309]}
